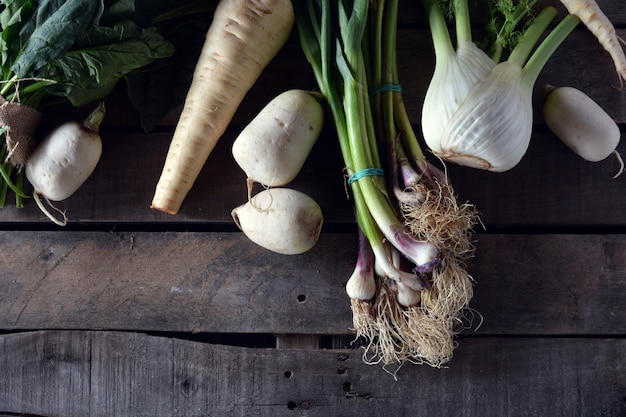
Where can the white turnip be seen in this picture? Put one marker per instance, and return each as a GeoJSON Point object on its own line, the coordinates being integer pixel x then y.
{"type": "Point", "coordinates": [580, 123]}
{"type": "Point", "coordinates": [64, 160]}
{"type": "Point", "coordinates": [273, 147]}
{"type": "Point", "coordinates": [282, 220]}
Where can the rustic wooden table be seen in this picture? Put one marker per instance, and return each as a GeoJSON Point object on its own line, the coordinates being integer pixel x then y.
{"type": "Point", "coordinates": [131, 312]}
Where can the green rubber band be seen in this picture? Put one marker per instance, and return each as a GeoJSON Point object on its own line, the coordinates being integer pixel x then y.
{"type": "Point", "coordinates": [367, 172]}
{"type": "Point", "coordinates": [386, 87]}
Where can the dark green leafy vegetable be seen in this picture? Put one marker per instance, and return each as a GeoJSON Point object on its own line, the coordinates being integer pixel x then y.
{"type": "Point", "coordinates": [51, 31]}
{"type": "Point", "coordinates": [64, 50]}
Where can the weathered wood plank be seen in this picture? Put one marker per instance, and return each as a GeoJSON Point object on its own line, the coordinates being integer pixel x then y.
{"type": "Point", "coordinates": [128, 374]}
{"type": "Point", "coordinates": [551, 186]}
{"type": "Point", "coordinates": [221, 282]}
{"type": "Point", "coordinates": [190, 282]}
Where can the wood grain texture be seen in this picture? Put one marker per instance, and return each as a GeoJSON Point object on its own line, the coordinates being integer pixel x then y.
{"type": "Point", "coordinates": [550, 187]}
{"type": "Point", "coordinates": [221, 282]}
{"type": "Point", "coordinates": [130, 312]}
{"type": "Point", "coordinates": [112, 374]}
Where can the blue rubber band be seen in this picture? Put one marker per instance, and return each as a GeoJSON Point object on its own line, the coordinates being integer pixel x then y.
{"type": "Point", "coordinates": [367, 172]}
{"type": "Point", "coordinates": [386, 87]}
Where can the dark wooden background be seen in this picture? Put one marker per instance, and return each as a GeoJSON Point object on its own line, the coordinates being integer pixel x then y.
{"type": "Point", "coordinates": [132, 312]}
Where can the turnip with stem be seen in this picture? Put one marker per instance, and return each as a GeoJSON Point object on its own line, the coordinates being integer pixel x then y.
{"type": "Point", "coordinates": [64, 160]}
{"type": "Point", "coordinates": [273, 147]}
{"type": "Point", "coordinates": [282, 220]}
{"type": "Point", "coordinates": [243, 38]}
{"type": "Point", "coordinates": [581, 124]}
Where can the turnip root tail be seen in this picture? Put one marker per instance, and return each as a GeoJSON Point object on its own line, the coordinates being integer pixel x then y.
{"type": "Point", "coordinates": [47, 212]}
{"type": "Point", "coordinates": [601, 27]}
{"type": "Point", "coordinates": [243, 38]}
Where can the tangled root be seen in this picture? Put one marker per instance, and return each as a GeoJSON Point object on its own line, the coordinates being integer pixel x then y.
{"type": "Point", "coordinates": [424, 333]}
{"type": "Point", "coordinates": [363, 319]}
{"type": "Point", "coordinates": [440, 219]}
{"type": "Point", "coordinates": [395, 334]}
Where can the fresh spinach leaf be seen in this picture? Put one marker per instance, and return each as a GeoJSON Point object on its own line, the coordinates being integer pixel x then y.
{"type": "Point", "coordinates": [107, 55]}
{"type": "Point", "coordinates": [14, 12]}
{"type": "Point", "coordinates": [54, 28]}
{"type": "Point", "coordinates": [117, 11]}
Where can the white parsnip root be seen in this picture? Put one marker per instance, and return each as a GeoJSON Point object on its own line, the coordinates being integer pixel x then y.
{"type": "Point", "coordinates": [590, 14]}
{"type": "Point", "coordinates": [243, 38]}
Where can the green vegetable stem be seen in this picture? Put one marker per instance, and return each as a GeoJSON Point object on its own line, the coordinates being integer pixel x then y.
{"type": "Point", "coordinates": [421, 285]}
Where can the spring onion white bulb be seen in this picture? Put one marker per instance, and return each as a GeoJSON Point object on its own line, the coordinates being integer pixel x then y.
{"type": "Point", "coordinates": [407, 296]}
{"type": "Point", "coordinates": [362, 282]}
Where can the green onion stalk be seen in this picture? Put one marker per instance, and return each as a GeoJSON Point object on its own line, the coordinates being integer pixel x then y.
{"type": "Point", "coordinates": [410, 290]}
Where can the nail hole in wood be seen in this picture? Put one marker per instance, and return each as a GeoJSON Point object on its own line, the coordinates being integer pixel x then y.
{"type": "Point", "coordinates": [288, 374]}
{"type": "Point", "coordinates": [301, 298]}
{"type": "Point", "coordinates": [292, 405]}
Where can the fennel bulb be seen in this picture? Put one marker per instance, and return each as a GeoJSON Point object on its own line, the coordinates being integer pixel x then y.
{"type": "Point", "coordinates": [492, 126]}
{"type": "Point", "coordinates": [455, 74]}
{"type": "Point", "coordinates": [456, 70]}
{"type": "Point", "coordinates": [491, 130]}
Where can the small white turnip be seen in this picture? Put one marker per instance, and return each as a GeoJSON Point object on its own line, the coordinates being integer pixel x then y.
{"type": "Point", "coordinates": [273, 147]}
{"type": "Point", "coordinates": [282, 220]}
{"type": "Point", "coordinates": [580, 123]}
{"type": "Point", "coordinates": [64, 160]}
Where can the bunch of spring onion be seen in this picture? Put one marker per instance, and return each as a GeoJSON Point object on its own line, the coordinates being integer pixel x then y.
{"type": "Point", "coordinates": [478, 107]}
{"type": "Point", "coordinates": [409, 290]}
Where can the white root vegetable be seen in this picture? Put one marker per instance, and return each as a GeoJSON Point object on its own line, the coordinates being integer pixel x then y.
{"type": "Point", "coordinates": [282, 220]}
{"type": "Point", "coordinates": [273, 147]}
{"type": "Point", "coordinates": [243, 38]}
{"type": "Point", "coordinates": [590, 14]}
{"type": "Point", "coordinates": [64, 160]}
{"type": "Point", "coordinates": [580, 123]}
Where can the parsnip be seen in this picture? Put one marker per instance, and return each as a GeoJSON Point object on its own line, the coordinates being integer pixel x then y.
{"type": "Point", "coordinates": [590, 14]}
{"type": "Point", "coordinates": [243, 38]}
